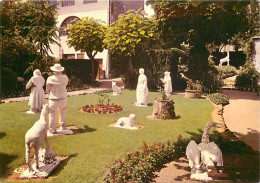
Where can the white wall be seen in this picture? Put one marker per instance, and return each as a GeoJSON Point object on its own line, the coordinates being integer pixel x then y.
{"type": "Point", "coordinates": [98, 10]}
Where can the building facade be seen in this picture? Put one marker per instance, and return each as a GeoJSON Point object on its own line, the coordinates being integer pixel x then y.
{"type": "Point", "coordinates": [70, 11]}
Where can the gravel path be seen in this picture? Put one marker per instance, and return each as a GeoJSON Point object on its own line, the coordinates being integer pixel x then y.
{"type": "Point", "coordinates": [242, 116]}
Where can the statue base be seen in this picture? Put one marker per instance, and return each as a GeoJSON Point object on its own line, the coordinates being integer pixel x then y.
{"type": "Point", "coordinates": [43, 172]}
{"type": "Point", "coordinates": [60, 132]}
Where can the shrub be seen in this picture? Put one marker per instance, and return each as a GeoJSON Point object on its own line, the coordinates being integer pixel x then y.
{"type": "Point", "coordinates": [139, 165]}
{"type": "Point", "coordinates": [247, 77]}
{"type": "Point", "coordinates": [79, 68]}
{"type": "Point", "coordinates": [219, 98]}
{"type": "Point", "coordinates": [226, 71]}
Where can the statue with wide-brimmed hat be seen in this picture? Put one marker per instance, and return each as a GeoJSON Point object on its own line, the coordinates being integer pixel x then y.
{"type": "Point", "coordinates": [56, 87]}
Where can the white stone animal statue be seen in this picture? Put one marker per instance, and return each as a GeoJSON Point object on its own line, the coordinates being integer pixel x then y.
{"type": "Point", "coordinates": [203, 155]}
{"type": "Point", "coordinates": [142, 89]}
{"type": "Point", "coordinates": [225, 59]}
{"type": "Point", "coordinates": [34, 138]}
{"type": "Point", "coordinates": [116, 89]}
{"type": "Point", "coordinates": [167, 81]}
{"type": "Point", "coordinates": [126, 122]}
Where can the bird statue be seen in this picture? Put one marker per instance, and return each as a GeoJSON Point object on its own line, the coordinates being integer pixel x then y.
{"type": "Point", "coordinates": [203, 155]}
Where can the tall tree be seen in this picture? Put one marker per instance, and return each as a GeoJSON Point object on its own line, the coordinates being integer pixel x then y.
{"type": "Point", "coordinates": [87, 35]}
{"type": "Point", "coordinates": [199, 23]}
{"type": "Point", "coordinates": [130, 33]}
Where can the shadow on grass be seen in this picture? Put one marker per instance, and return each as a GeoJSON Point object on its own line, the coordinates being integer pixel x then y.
{"type": "Point", "coordinates": [85, 129]}
{"type": "Point", "coordinates": [5, 159]}
{"type": "Point", "coordinates": [62, 165]}
{"type": "Point", "coordinates": [2, 134]}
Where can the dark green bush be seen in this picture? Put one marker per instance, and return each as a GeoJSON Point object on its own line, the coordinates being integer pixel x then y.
{"type": "Point", "coordinates": [247, 77]}
{"type": "Point", "coordinates": [79, 69]}
{"type": "Point", "coordinates": [226, 71]}
{"type": "Point", "coordinates": [219, 98]}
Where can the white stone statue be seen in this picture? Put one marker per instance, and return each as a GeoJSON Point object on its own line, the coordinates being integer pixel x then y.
{"type": "Point", "coordinates": [203, 155]}
{"type": "Point", "coordinates": [225, 59]}
{"type": "Point", "coordinates": [56, 87]}
{"type": "Point", "coordinates": [167, 81]}
{"type": "Point", "coordinates": [142, 89]}
{"type": "Point", "coordinates": [37, 96]}
{"type": "Point", "coordinates": [127, 122]}
{"type": "Point", "coordinates": [45, 160]}
{"type": "Point", "coordinates": [116, 89]}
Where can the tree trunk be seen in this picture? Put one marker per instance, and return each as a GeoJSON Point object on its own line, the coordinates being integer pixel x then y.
{"type": "Point", "coordinates": [92, 70]}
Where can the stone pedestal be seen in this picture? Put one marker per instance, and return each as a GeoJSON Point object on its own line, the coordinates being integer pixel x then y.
{"type": "Point", "coordinates": [163, 109]}
{"type": "Point", "coordinates": [43, 172]}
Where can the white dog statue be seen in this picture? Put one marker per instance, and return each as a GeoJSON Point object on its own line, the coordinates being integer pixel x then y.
{"type": "Point", "coordinates": [116, 89]}
{"type": "Point", "coordinates": [127, 122]}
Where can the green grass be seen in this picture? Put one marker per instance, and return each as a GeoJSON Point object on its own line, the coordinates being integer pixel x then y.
{"type": "Point", "coordinates": [96, 148]}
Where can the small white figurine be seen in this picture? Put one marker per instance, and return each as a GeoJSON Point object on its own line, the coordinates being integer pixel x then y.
{"type": "Point", "coordinates": [37, 96]}
{"type": "Point", "coordinates": [167, 83]}
{"type": "Point", "coordinates": [56, 87]}
{"type": "Point", "coordinates": [34, 137]}
{"type": "Point", "coordinates": [142, 89]}
{"type": "Point", "coordinates": [116, 89]}
{"type": "Point", "coordinates": [225, 59]}
{"type": "Point", "coordinates": [127, 122]}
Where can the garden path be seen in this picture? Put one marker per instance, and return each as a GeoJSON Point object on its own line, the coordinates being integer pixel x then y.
{"type": "Point", "coordinates": [105, 84]}
{"type": "Point", "coordinates": [242, 116]}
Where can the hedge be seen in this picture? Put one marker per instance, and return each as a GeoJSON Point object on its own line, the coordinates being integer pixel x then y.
{"type": "Point", "coordinates": [219, 98]}
{"type": "Point", "coordinates": [80, 69]}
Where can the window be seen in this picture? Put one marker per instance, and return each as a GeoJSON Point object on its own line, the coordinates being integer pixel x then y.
{"type": "Point", "coordinates": [80, 56]}
{"type": "Point", "coordinates": [89, 1]}
{"type": "Point", "coordinates": [67, 3]}
{"type": "Point", "coordinates": [64, 31]}
{"type": "Point", "coordinates": [68, 56]}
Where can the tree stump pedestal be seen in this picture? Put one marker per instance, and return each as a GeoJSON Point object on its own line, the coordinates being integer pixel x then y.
{"type": "Point", "coordinates": [163, 109]}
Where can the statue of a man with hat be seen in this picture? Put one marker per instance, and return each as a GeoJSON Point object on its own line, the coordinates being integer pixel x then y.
{"type": "Point", "coordinates": [56, 87]}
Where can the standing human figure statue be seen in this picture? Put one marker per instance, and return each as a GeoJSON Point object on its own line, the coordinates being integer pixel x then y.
{"type": "Point", "coordinates": [37, 96]}
{"type": "Point", "coordinates": [167, 81]}
{"type": "Point", "coordinates": [56, 87]}
{"type": "Point", "coordinates": [142, 89]}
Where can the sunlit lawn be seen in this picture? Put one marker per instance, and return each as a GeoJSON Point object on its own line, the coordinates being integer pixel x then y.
{"type": "Point", "coordinates": [95, 149]}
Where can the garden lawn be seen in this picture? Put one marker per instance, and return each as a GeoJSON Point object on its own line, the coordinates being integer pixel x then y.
{"type": "Point", "coordinates": [97, 146]}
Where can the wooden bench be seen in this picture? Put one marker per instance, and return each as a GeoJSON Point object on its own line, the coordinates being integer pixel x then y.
{"type": "Point", "coordinates": [231, 174]}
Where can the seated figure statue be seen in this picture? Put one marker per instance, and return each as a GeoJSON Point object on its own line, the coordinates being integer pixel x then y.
{"type": "Point", "coordinates": [116, 89]}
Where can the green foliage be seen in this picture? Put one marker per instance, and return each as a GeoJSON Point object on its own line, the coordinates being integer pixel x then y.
{"type": "Point", "coordinates": [193, 85]}
{"type": "Point", "coordinates": [27, 30]}
{"type": "Point", "coordinates": [199, 22]}
{"type": "Point", "coordinates": [79, 68]}
{"type": "Point", "coordinates": [87, 35]}
{"type": "Point", "coordinates": [138, 166]}
{"type": "Point", "coordinates": [130, 32]}
{"type": "Point", "coordinates": [219, 98]}
{"type": "Point", "coordinates": [226, 71]}
{"type": "Point", "coordinates": [247, 77]}
{"type": "Point", "coordinates": [102, 97]}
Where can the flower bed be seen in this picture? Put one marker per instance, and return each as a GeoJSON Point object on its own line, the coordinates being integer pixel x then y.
{"type": "Point", "coordinates": [138, 166]}
{"type": "Point", "coordinates": [102, 108]}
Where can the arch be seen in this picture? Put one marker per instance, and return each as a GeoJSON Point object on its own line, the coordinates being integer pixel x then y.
{"type": "Point", "coordinates": [64, 25]}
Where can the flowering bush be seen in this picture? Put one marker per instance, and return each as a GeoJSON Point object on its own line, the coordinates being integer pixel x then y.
{"type": "Point", "coordinates": [196, 86]}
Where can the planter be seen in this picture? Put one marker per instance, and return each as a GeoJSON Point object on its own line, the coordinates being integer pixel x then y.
{"type": "Point", "coordinates": [163, 109]}
{"type": "Point", "coordinates": [193, 94]}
